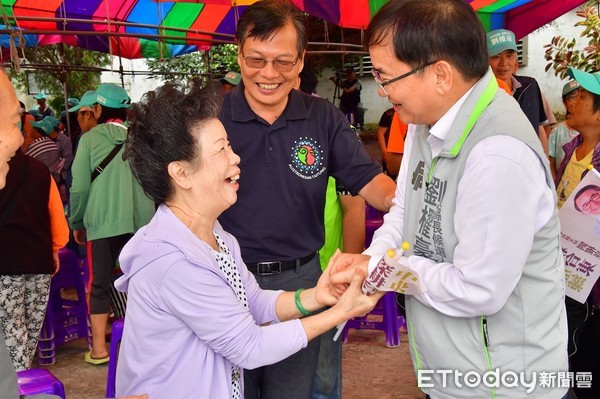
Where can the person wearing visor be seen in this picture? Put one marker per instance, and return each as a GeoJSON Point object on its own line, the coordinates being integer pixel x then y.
{"type": "Point", "coordinates": [68, 120]}
{"type": "Point", "coordinates": [107, 203]}
{"type": "Point", "coordinates": [43, 108]}
{"type": "Point", "coordinates": [85, 115]}
{"type": "Point", "coordinates": [230, 81]}
{"type": "Point", "coordinates": [562, 133]}
{"type": "Point", "coordinates": [43, 148]}
{"type": "Point", "coordinates": [581, 153]}
{"type": "Point", "coordinates": [502, 50]}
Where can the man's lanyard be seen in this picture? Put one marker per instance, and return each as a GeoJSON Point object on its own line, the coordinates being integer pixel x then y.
{"type": "Point", "coordinates": [484, 100]}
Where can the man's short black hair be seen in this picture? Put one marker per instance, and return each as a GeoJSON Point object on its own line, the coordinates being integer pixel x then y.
{"type": "Point", "coordinates": [263, 19]}
{"type": "Point", "coordinates": [423, 31]}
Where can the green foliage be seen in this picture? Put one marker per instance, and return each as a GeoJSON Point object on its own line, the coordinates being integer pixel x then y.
{"type": "Point", "coordinates": [561, 52]}
{"type": "Point", "coordinates": [223, 58]}
{"type": "Point", "coordinates": [58, 64]}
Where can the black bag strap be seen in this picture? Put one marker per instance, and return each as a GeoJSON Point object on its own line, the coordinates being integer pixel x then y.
{"type": "Point", "coordinates": [10, 204]}
{"type": "Point", "coordinates": [106, 161]}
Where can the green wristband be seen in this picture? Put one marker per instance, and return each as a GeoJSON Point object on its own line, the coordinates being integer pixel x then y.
{"type": "Point", "coordinates": [299, 304]}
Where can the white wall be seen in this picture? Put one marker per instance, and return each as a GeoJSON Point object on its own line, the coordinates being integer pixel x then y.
{"type": "Point", "coordinates": [374, 104]}
{"type": "Point", "coordinates": [550, 84]}
{"type": "Point", "coordinates": [135, 85]}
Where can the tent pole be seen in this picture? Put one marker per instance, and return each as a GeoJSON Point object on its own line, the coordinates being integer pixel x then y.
{"type": "Point", "coordinates": [121, 71]}
{"type": "Point", "coordinates": [66, 108]}
{"type": "Point", "coordinates": [65, 77]}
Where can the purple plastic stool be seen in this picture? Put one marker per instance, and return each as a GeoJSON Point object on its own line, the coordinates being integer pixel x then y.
{"type": "Point", "coordinates": [115, 339]}
{"type": "Point", "coordinates": [37, 381]}
{"type": "Point", "coordinates": [372, 213]}
{"type": "Point", "coordinates": [370, 227]}
{"type": "Point", "coordinates": [66, 319]}
{"type": "Point", "coordinates": [390, 324]}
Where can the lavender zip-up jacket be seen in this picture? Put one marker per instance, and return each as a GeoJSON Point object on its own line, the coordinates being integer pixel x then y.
{"type": "Point", "coordinates": [184, 325]}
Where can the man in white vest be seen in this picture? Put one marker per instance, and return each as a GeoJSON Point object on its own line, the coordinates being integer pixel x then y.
{"type": "Point", "coordinates": [475, 199]}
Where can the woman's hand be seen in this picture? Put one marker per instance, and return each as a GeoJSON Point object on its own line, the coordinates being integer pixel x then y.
{"type": "Point", "coordinates": [353, 302]}
{"type": "Point", "coordinates": [323, 294]}
{"type": "Point", "coordinates": [340, 270]}
{"type": "Point", "coordinates": [56, 262]}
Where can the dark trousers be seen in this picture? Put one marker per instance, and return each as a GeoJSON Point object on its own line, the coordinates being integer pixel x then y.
{"type": "Point", "coordinates": [353, 114]}
{"type": "Point", "coordinates": [584, 345]}
{"type": "Point", "coordinates": [328, 375]}
{"type": "Point", "coordinates": [291, 378]}
{"type": "Point", "coordinates": [105, 252]}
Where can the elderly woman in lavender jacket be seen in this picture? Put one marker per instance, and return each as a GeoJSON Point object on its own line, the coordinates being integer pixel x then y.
{"type": "Point", "coordinates": [195, 316]}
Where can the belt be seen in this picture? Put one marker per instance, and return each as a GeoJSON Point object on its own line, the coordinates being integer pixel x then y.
{"type": "Point", "coordinates": [276, 267]}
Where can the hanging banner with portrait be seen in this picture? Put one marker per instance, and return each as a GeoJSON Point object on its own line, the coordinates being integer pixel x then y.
{"type": "Point", "coordinates": [580, 237]}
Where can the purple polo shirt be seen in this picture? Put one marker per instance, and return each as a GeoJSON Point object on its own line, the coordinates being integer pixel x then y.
{"type": "Point", "coordinates": [284, 172]}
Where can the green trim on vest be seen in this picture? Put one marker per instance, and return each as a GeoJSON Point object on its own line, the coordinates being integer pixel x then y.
{"type": "Point", "coordinates": [412, 343]}
{"type": "Point", "coordinates": [486, 98]}
{"type": "Point", "coordinates": [488, 360]}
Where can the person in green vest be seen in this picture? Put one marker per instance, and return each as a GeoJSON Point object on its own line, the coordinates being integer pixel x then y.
{"type": "Point", "coordinates": [344, 230]}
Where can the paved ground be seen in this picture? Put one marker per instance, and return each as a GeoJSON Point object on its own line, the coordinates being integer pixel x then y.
{"type": "Point", "coordinates": [370, 370]}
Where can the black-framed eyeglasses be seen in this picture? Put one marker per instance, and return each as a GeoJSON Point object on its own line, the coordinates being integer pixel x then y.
{"type": "Point", "coordinates": [382, 84]}
{"type": "Point", "coordinates": [278, 65]}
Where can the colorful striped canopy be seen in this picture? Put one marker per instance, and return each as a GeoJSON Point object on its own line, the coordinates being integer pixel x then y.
{"type": "Point", "coordinates": [156, 28]}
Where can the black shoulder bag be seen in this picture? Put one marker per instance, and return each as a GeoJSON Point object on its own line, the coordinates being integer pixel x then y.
{"type": "Point", "coordinates": [106, 161]}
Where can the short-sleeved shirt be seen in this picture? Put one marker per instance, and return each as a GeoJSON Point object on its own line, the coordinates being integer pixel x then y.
{"type": "Point", "coordinates": [527, 93]}
{"type": "Point", "coordinates": [572, 176]}
{"type": "Point", "coordinates": [284, 172]}
{"type": "Point", "coordinates": [559, 136]}
{"type": "Point", "coordinates": [386, 121]}
{"type": "Point", "coordinates": [397, 134]}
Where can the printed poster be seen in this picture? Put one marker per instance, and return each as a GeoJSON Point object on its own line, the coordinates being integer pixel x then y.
{"type": "Point", "coordinates": [580, 237]}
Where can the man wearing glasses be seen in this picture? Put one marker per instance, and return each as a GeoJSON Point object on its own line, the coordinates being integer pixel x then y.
{"type": "Point", "coordinates": [475, 200]}
{"type": "Point", "coordinates": [587, 200]}
{"type": "Point", "coordinates": [289, 144]}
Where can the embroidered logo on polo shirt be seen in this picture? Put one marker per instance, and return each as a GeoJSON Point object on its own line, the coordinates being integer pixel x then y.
{"type": "Point", "coordinates": [306, 156]}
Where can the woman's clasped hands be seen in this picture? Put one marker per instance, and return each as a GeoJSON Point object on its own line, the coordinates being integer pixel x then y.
{"type": "Point", "coordinates": [341, 283]}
